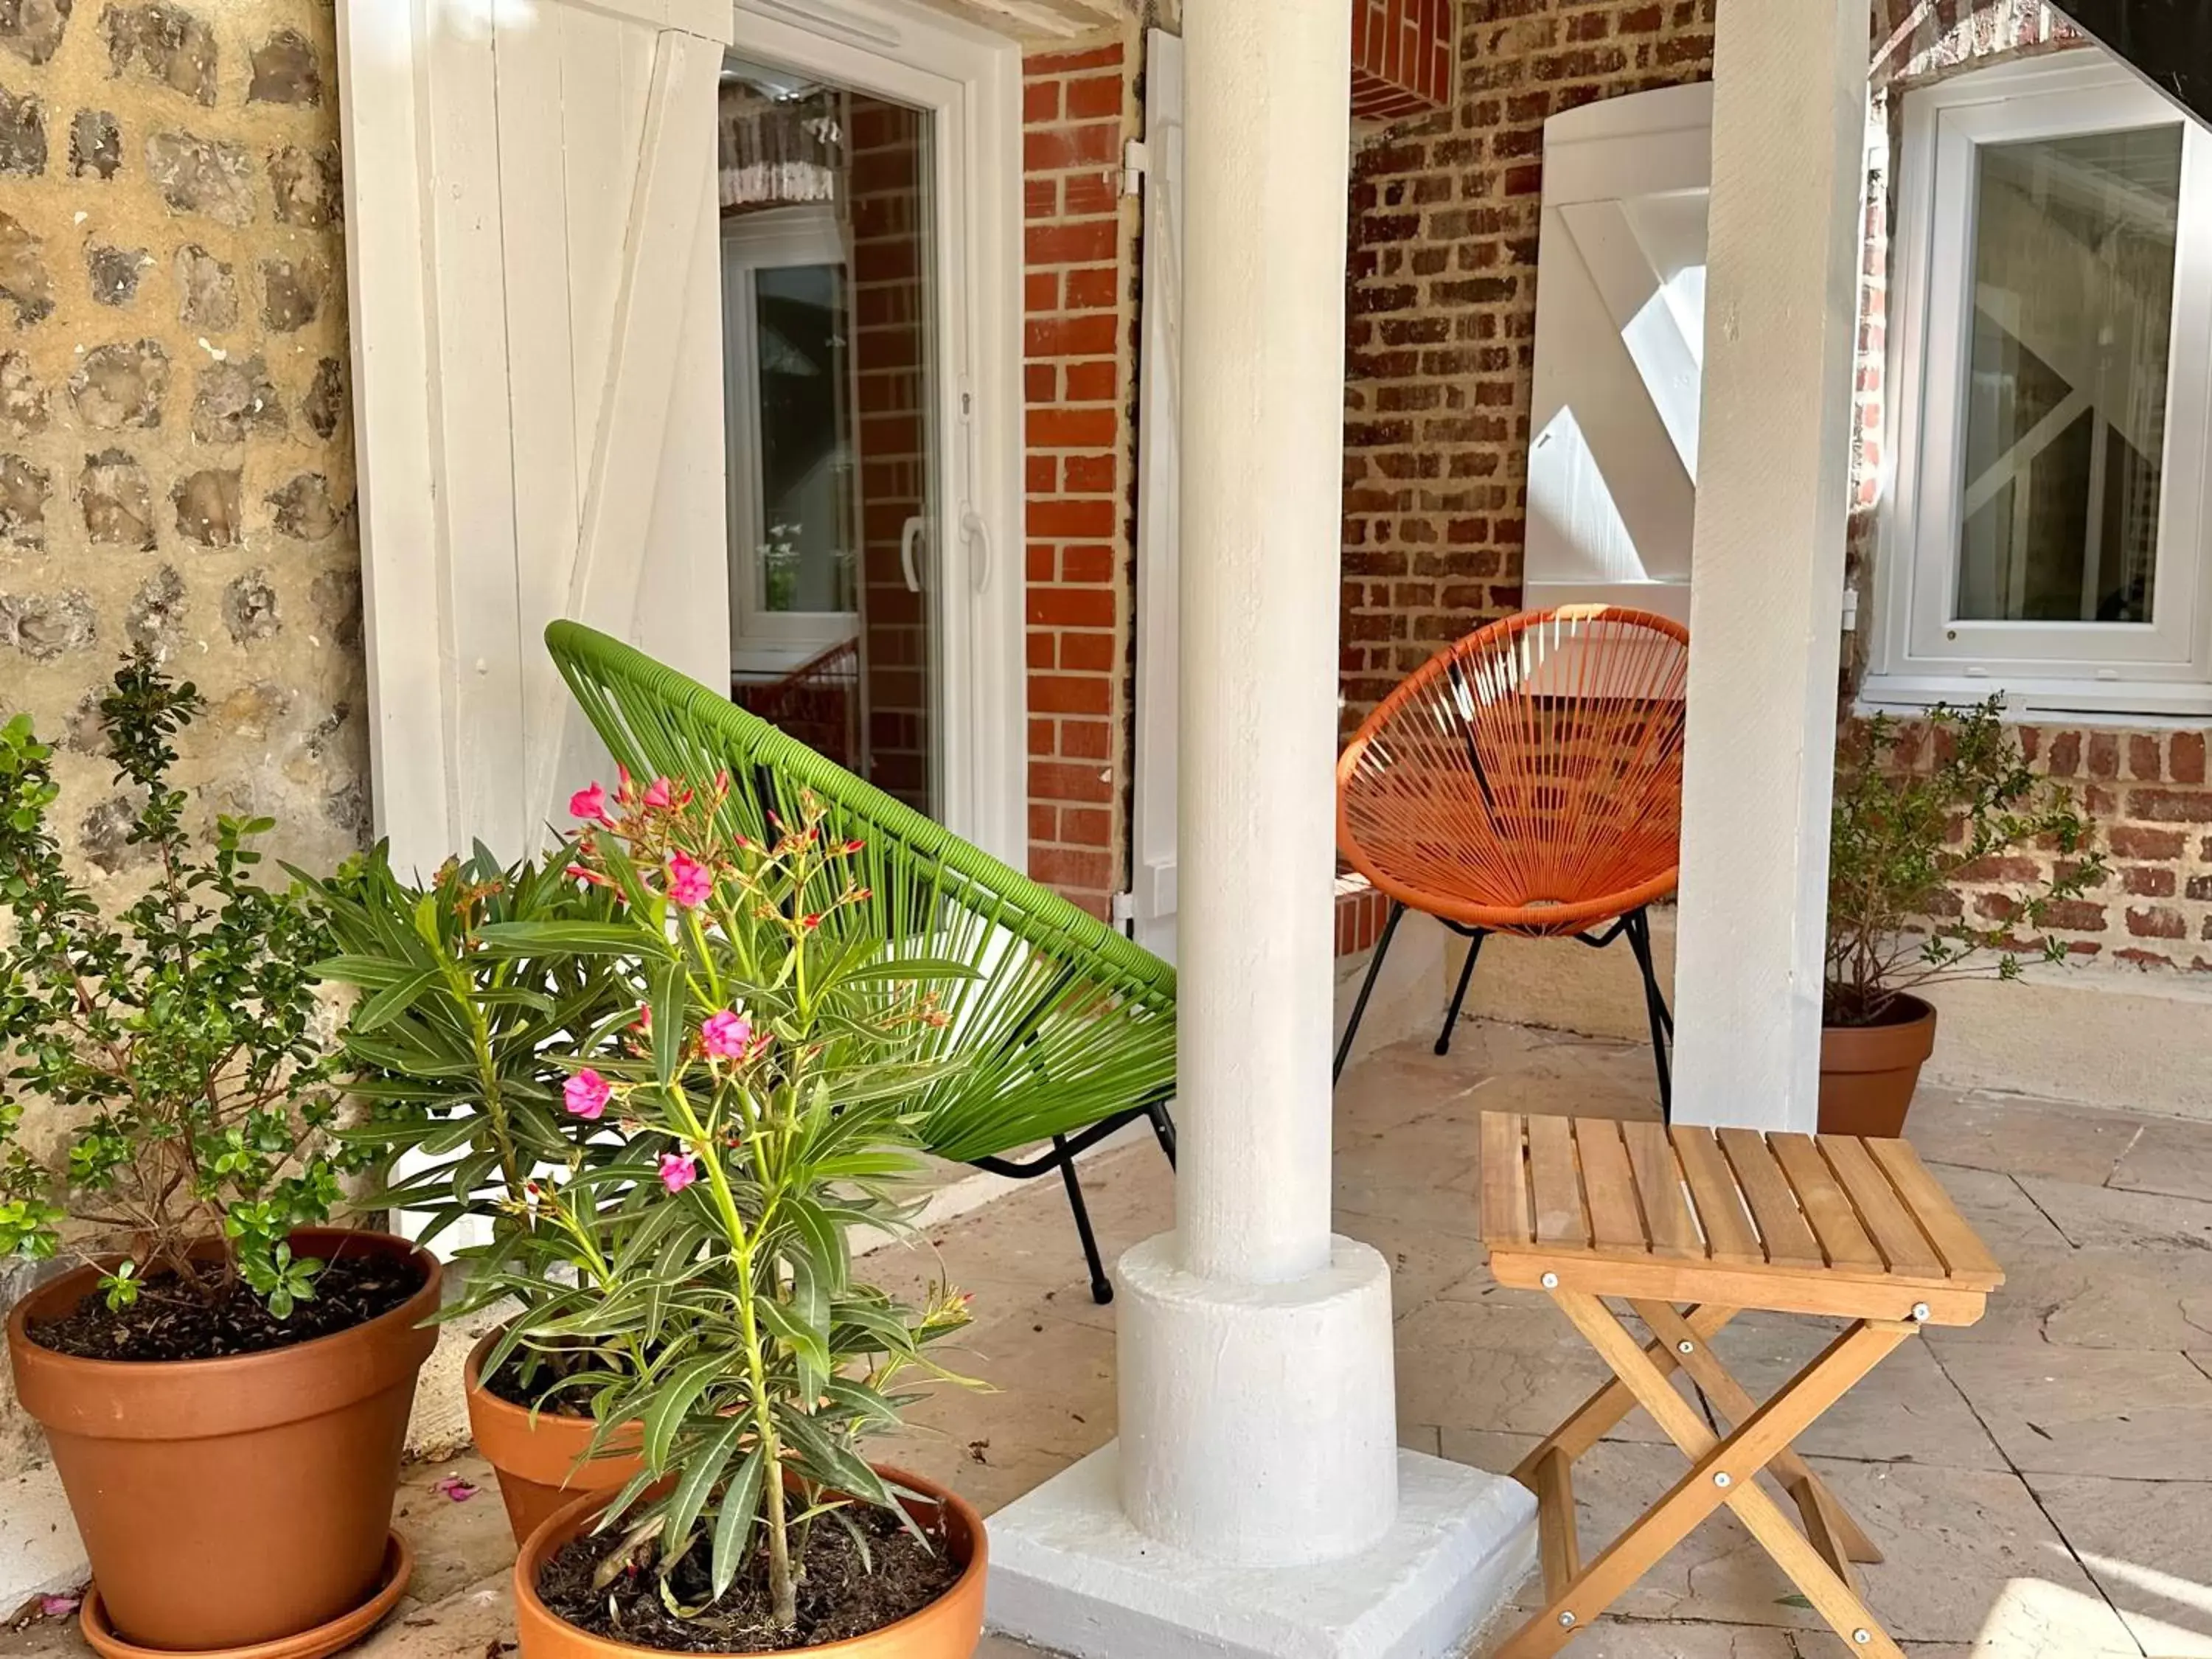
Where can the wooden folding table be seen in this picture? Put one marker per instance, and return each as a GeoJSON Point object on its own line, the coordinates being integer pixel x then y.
{"type": "Point", "coordinates": [1690, 1227]}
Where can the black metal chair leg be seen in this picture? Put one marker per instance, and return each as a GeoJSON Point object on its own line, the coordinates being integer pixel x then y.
{"type": "Point", "coordinates": [1367, 989]}
{"type": "Point", "coordinates": [1164, 1131]}
{"type": "Point", "coordinates": [1655, 1009]}
{"type": "Point", "coordinates": [1466, 975]}
{"type": "Point", "coordinates": [1102, 1288]}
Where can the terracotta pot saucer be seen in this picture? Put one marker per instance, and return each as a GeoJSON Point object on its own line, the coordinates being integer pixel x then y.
{"type": "Point", "coordinates": [325, 1639]}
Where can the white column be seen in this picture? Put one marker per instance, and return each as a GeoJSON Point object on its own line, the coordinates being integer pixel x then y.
{"type": "Point", "coordinates": [1256, 1503]}
{"type": "Point", "coordinates": [1767, 571]}
{"type": "Point", "coordinates": [1222, 1451]}
{"type": "Point", "coordinates": [1267, 146]}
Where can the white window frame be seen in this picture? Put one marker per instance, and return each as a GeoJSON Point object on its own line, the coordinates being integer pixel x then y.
{"type": "Point", "coordinates": [764, 642]}
{"type": "Point", "coordinates": [970, 79]}
{"type": "Point", "coordinates": [1920, 653]}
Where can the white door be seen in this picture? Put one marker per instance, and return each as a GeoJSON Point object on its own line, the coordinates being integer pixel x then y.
{"type": "Point", "coordinates": [1620, 304]}
{"type": "Point", "coordinates": [1159, 497]}
{"type": "Point", "coordinates": [535, 322]}
{"type": "Point", "coordinates": [871, 236]}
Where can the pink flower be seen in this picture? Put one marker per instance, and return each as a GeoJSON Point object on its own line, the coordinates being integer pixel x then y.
{"type": "Point", "coordinates": [590, 804]}
{"type": "Point", "coordinates": [585, 1095]}
{"type": "Point", "coordinates": [678, 1171]}
{"type": "Point", "coordinates": [589, 878]}
{"type": "Point", "coordinates": [455, 1489]}
{"type": "Point", "coordinates": [658, 793]}
{"type": "Point", "coordinates": [727, 1036]}
{"type": "Point", "coordinates": [690, 882]}
{"type": "Point", "coordinates": [58, 1606]}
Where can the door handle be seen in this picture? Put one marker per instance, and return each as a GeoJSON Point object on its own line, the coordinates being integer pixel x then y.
{"type": "Point", "coordinates": [909, 534]}
{"type": "Point", "coordinates": [971, 522]}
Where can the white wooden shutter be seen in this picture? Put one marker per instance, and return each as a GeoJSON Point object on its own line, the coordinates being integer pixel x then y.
{"type": "Point", "coordinates": [1612, 457]}
{"type": "Point", "coordinates": [1153, 833]}
{"type": "Point", "coordinates": [536, 338]}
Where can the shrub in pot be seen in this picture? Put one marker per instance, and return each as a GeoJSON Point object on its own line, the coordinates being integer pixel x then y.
{"type": "Point", "coordinates": [1918, 807]}
{"type": "Point", "coordinates": [224, 1379]}
{"type": "Point", "coordinates": [770, 1108]}
{"type": "Point", "coordinates": [464, 1041]}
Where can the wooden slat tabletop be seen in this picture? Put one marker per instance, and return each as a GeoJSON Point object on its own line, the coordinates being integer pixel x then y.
{"type": "Point", "coordinates": [1594, 1189]}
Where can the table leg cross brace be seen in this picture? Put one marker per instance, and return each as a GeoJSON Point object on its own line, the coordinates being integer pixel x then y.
{"type": "Point", "coordinates": [1722, 1471]}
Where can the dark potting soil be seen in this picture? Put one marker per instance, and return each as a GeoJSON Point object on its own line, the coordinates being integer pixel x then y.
{"type": "Point", "coordinates": [539, 1389]}
{"type": "Point", "coordinates": [840, 1595]}
{"type": "Point", "coordinates": [171, 1320]}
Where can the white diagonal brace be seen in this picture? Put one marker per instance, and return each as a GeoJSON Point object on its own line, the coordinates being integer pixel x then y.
{"type": "Point", "coordinates": [675, 161]}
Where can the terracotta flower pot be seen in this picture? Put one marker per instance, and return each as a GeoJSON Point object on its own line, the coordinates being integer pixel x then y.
{"type": "Point", "coordinates": [535, 1459]}
{"type": "Point", "coordinates": [226, 1503]}
{"type": "Point", "coordinates": [948, 1628]}
{"type": "Point", "coordinates": [1868, 1073]}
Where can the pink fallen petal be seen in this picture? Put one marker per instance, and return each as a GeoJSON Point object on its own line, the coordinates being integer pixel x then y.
{"type": "Point", "coordinates": [453, 1487]}
{"type": "Point", "coordinates": [57, 1606]}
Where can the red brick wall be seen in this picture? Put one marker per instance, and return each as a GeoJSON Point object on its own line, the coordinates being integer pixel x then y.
{"type": "Point", "coordinates": [1401, 57]}
{"type": "Point", "coordinates": [2147, 791]}
{"type": "Point", "coordinates": [1443, 316]}
{"type": "Point", "coordinates": [1080, 250]}
{"type": "Point", "coordinates": [1439, 358]}
{"type": "Point", "coordinates": [888, 301]}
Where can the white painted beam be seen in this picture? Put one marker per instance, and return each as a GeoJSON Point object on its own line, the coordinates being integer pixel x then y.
{"type": "Point", "coordinates": [1041, 22]}
{"type": "Point", "coordinates": [1789, 125]}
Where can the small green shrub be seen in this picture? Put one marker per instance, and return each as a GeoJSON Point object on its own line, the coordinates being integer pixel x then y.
{"type": "Point", "coordinates": [1918, 807]}
{"type": "Point", "coordinates": [180, 1034]}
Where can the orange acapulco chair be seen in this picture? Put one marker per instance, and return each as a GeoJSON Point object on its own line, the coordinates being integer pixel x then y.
{"type": "Point", "coordinates": [1527, 781]}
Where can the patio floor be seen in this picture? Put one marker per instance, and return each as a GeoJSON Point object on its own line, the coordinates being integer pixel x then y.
{"type": "Point", "coordinates": [2042, 1483]}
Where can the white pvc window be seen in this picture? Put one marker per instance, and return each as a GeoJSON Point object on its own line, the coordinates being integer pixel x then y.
{"type": "Point", "coordinates": [2053, 367]}
{"type": "Point", "coordinates": [794, 513]}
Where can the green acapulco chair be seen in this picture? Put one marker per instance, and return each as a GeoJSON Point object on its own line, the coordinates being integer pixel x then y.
{"type": "Point", "coordinates": [1066, 1029]}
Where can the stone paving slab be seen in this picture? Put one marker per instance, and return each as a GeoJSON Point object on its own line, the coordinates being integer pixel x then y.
{"type": "Point", "coordinates": [2090, 1411]}
{"type": "Point", "coordinates": [2093, 1374]}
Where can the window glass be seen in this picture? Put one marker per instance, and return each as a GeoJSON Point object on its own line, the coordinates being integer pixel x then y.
{"type": "Point", "coordinates": [2065, 431]}
{"type": "Point", "coordinates": [806, 545]}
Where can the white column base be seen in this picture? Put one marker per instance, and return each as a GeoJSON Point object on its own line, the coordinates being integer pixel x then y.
{"type": "Point", "coordinates": [1258, 1421]}
{"type": "Point", "coordinates": [1070, 1573]}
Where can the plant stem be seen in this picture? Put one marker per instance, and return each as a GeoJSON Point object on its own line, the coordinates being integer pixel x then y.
{"type": "Point", "coordinates": [782, 1589]}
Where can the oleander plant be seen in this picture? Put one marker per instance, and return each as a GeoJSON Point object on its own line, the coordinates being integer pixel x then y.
{"type": "Point", "coordinates": [705, 1092]}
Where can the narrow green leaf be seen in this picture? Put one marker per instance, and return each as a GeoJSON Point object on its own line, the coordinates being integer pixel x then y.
{"type": "Point", "coordinates": [733, 1524]}
{"type": "Point", "coordinates": [674, 1398]}
{"type": "Point", "coordinates": [702, 1468]}
{"type": "Point", "coordinates": [608, 939]}
{"type": "Point", "coordinates": [669, 1033]}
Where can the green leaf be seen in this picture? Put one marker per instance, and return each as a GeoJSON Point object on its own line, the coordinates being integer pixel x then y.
{"type": "Point", "coordinates": [675, 1397]}
{"type": "Point", "coordinates": [394, 1000]}
{"type": "Point", "coordinates": [702, 1468]}
{"type": "Point", "coordinates": [370, 973]}
{"type": "Point", "coordinates": [909, 970]}
{"type": "Point", "coordinates": [669, 1008]}
{"type": "Point", "coordinates": [811, 1346]}
{"type": "Point", "coordinates": [582, 938]}
{"type": "Point", "coordinates": [733, 1523]}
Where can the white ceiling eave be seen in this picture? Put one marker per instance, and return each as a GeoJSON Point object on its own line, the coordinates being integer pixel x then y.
{"type": "Point", "coordinates": [1042, 22]}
